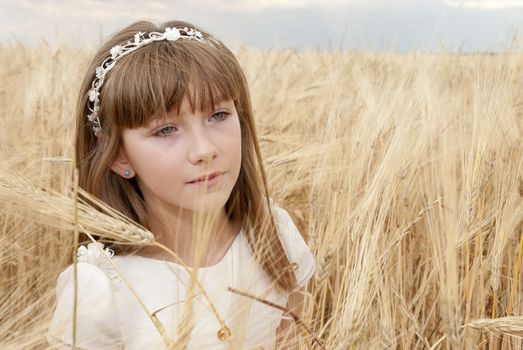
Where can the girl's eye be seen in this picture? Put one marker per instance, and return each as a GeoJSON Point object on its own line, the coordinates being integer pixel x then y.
{"type": "Point", "coordinates": [164, 131]}
{"type": "Point", "coordinates": [219, 116]}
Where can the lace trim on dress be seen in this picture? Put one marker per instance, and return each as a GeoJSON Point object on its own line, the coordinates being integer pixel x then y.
{"type": "Point", "coordinates": [94, 254]}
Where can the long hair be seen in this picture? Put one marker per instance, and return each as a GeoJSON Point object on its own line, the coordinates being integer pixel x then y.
{"type": "Point", "coordinates": [152, 81]}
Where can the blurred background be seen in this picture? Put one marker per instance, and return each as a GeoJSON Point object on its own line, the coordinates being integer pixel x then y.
{"type": "Point", "coordinates": [356, 25]}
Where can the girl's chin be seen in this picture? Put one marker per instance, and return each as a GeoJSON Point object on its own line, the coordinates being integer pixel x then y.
{"type": "Point", "coordinates": [207, 204]}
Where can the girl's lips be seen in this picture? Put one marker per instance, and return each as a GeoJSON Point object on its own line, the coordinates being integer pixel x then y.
{"type": "Point", "coordinates": [213, 179]}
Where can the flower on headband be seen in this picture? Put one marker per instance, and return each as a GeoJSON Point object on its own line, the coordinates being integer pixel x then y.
{"type": "Point", "coordinates": [137, 38]}
{"type": "Point", "coordinates": [115, 51]}
{"type": "Point", "coordinates": [97, 130]}
{"type": "Point", "coordinates": [93, 95]}
{"type": "Point", "coordinates": [99, 72]}
{"type": "Point", "coordinates": [172, 34]}
{"type": "Point", "coordinates": [193, 33]}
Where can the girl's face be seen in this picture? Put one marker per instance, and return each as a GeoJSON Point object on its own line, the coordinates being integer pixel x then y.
{"type": "Point", "coordinates": [166, 156]}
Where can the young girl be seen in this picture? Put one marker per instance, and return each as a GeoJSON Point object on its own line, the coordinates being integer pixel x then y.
{"type": "Point", "coordinates": [165, 135]}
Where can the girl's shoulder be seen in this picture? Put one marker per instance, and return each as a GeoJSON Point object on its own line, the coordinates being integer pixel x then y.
{"type": "Point", "coordinates": [281, 215]}
{"type": "Point", "coordinates": [95, 257]}
{"type": "Point", "coordinates": [294, 244]}
{"type": "Point", "coordinates": [96, 316]}
{"type": "Point", "coordinates": [94, 273]}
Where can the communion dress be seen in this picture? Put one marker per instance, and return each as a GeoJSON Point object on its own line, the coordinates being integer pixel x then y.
{"type": "Point", "coordinates": [110, 317]}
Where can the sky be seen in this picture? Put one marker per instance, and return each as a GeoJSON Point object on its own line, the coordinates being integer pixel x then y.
{"type": "Point", "coordinates": [358, 25]}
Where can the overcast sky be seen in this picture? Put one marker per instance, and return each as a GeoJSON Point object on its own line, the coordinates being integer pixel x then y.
{"type": "Point", "coordinates": [403, 25]}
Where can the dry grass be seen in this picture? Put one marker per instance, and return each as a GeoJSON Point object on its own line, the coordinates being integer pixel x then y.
{"type": "Point", "coordinates": [404, 172]}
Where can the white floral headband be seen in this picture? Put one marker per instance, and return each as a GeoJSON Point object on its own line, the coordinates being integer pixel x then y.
{"type": "Point", "coordinates": [119, 51]}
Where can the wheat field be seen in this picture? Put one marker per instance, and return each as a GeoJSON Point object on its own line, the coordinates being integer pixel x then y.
{"type": "Point", "coordinates": [403, 172]}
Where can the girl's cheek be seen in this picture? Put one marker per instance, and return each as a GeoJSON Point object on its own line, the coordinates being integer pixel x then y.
{"type": "Point", "coordinates": [235, 126]}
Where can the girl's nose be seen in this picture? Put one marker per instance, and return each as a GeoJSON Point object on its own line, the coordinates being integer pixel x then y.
{"type": "Point", "coordinates": [201, 148]}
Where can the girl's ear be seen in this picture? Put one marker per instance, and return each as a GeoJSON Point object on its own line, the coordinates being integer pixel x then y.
{"type": "Point", "coordinates": [121, 165]}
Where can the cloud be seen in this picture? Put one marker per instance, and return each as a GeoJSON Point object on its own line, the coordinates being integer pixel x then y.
{"type": "Point", "coordinates": [486, 4]}
{"type": "Point", "coordinates": [358, 24]}
{"type": "Point", "coordinates": [261, 5]}
{"type": "Point", "coordinates": [94, 9]}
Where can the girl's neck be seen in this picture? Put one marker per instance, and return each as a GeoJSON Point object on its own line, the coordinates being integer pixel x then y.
{"type": "Point", "coordinates": [176, 231]}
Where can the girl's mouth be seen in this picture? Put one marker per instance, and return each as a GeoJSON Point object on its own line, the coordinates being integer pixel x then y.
{"type": "Point", "coordinates": [213, 178]}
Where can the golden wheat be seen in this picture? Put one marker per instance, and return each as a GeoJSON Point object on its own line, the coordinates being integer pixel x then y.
{"type": "Point", "coordinates": [403, 171]}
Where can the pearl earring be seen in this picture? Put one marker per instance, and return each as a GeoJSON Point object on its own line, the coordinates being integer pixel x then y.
{"type": "Point", "coordinates": [126, 173]}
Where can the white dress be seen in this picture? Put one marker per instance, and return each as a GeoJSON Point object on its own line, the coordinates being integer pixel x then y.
{"type": "Point", "coordinates": [110, 317]}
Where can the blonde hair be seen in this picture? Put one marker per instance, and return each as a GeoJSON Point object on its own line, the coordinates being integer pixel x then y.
{"type": "Point", "coordinates": [152, 81]}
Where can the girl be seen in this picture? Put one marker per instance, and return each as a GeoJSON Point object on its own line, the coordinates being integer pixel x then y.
{"type": "Point", "coordinates": [165, 135]}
